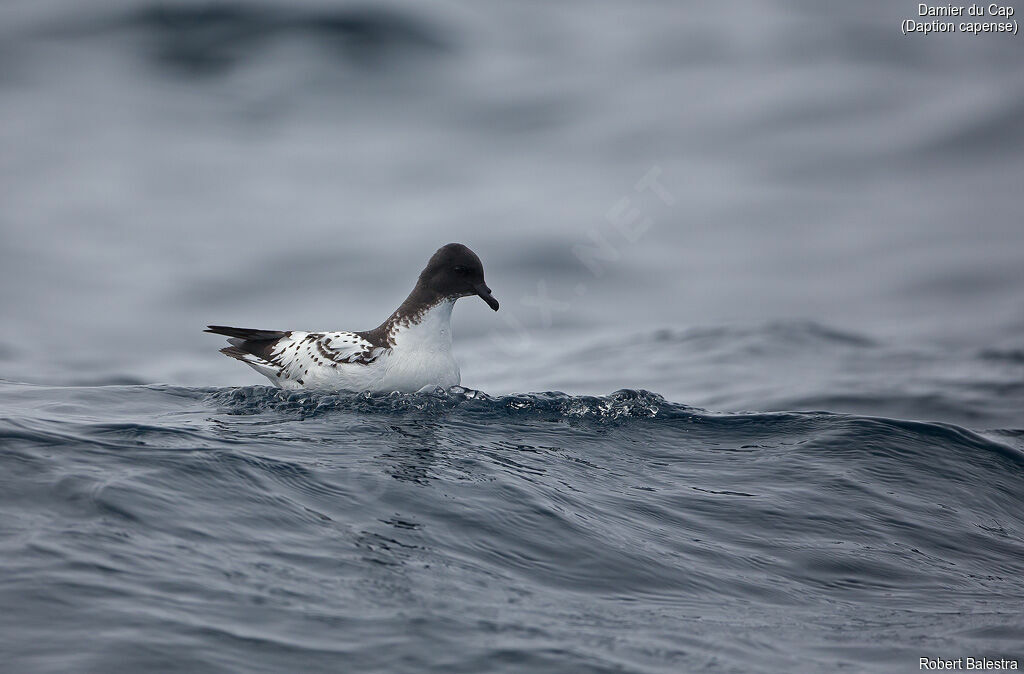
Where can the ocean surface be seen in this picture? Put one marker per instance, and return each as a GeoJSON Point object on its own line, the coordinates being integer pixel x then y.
{"type": "Point", "coordinates": [754, 401]}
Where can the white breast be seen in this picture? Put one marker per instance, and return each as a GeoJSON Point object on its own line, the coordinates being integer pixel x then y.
{"type": "Point", "coordinates": [422, 353]}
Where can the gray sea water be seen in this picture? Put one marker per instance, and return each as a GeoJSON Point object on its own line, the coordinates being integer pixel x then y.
{"type": "Point", "coordinates": [754, 400]}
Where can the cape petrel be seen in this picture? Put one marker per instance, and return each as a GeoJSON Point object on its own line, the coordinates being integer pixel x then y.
{"type": "Point", "coordinates": [410, 351]}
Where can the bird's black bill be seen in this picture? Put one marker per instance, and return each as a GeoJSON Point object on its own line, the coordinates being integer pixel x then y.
{"type": "Point", "coordinates": [485, 294]}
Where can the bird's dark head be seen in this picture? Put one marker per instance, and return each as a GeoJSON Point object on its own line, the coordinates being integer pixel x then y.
{"type": "Point", "coordinates": [456, 271]}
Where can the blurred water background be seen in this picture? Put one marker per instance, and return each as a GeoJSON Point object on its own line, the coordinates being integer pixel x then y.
{"type": "Point", "coordinates": [739, 206]}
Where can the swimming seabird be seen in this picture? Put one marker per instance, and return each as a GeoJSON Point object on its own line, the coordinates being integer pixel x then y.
{"type": "Point", "coordinates": [410, 351]}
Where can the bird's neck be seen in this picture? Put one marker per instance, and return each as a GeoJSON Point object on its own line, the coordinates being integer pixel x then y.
{"type": "Point", "coordinates": [423, 326]}
{"type": "Point", "coordinates": [419, 301]}
{"type": "Point", "coordinates": [424, 317]}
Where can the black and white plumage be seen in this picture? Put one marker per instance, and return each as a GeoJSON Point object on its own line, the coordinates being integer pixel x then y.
{"type": "Point", "coordinates": [409, 351]}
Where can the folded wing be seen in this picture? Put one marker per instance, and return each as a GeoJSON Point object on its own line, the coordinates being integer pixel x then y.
{"type": "Point", "coordinates": [293, 355]}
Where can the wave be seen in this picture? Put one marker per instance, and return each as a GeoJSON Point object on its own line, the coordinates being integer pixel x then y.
{"type": "Point", "coordinates": [459, 403]}
{"type": "Point", "coordinates": [793, 334]}
{"type": "Point", "coordinates": [205, 40]}
{"type": "Point", "coordinates": [622, 404]}
{"type": "Point", "coordinates": [320, 508]}
{"type": "Point", "coordinates": [148, 405]}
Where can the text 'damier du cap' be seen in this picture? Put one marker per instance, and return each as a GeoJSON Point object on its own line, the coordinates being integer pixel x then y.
{"type": "Point", "coordinates": [973, 19]}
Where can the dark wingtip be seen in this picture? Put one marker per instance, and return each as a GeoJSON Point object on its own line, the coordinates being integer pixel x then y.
{"type": "Point", "coordinates": [245, 333]}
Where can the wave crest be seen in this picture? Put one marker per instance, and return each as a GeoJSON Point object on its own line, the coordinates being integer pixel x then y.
{"type": "Point", "coordinates": [622, 404]}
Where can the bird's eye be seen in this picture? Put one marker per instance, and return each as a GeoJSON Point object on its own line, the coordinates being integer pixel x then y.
{"type": "Point", "coordinates": [459, 269]}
